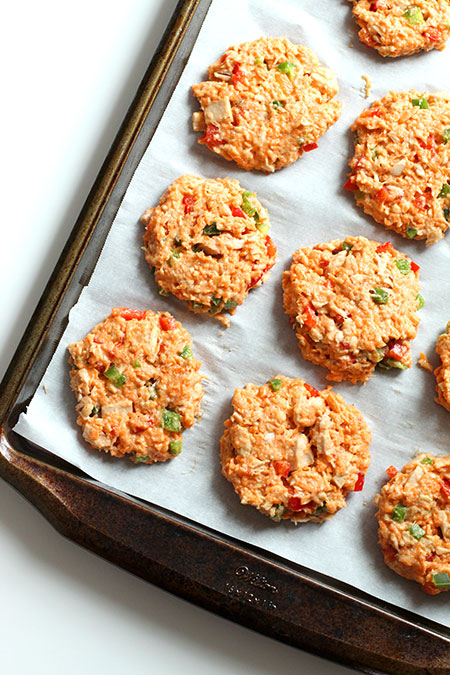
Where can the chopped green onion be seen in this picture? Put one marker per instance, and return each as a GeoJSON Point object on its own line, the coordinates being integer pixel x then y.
{"type": "Point", "coordinates": [399, 513]}
{"type": "Point", "coordinates": [411, 232]}
{"type": "Point", "coordinates": [380, 352]}
{"type": "Point", "coordinates": [426, 460]}
{"type": "Point", "coordinates": [387, 364]}
{"type": "Point", "coordinates": [263, 227]}
{"type": "Point", "coordinates": [197, 248]}
{"type": "Point", "coordinates": [258, 61]}
{"type": "Point", "coordinates": [346, 246]}
{"type": "Point", "coordinates": [403, 265]}
{"type": "Point", "coordinates": [186, 352]}
{"type": "Point", "coordinates": [374, 152]}
{"type": "Point", "coordinates": [246, 205]}
{"type": "Point", "coordinates": [211, 230]}
{"type": "Point", "coordinates": [141, 458]}
{"type": "Point", "coordinates": [177, 241]}
{"type": "Point", "coordinates": [421, 102]}
{"type": "Point", "coordinates": [379, 295]}
{"type": "Point", "coordinates": [215, 304]}
{"type": "Point", "coordinates": [446, 135]}
{"type": "Point", "coordinates": [445, 190]}
{"type": "Point", "coordinates": [230, 304]}
{"type": "Point", "coordinates": [279, 511]}
{"type": "Point", "coordinates": [421, 301]}
{"type": "Point", "coordinates": [416, 531]}
{"type": "Point", "coordinates": [276, 384]}
{"type": "Point", "coordinates": [136, 364]}
{"type": "Point", "coordinates": [175, 447]}
{"type": "Point", "coordinates": [446, 212]}
{"type": "Point", "coordinates": [171, 420]}
{"type": "Point", "coordinates": [277, 104]}
{"type": "Point", "coordinates": [441, 580]}
{"type": "Point", "coordinates": [196, 305]}
{"type": "Point", "coordinates": [176, 253]}
{"type": "Point", "coordinates": [287, 68]}
{"type": "Point", "coordinates": [357, 138]}
{"type": "Point", "coordinates": [320, 509]}
{"type": "Point", "coordinates": [115, 376]}
{"type": "Point", "coordinates": [413, 15]}
{"type": "Point", "coordinates": [161, 291]}
{"type": "Point", "coordinates": [95, 411]}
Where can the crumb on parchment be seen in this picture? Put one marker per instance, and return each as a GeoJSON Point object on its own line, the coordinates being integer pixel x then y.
{"type": "Point", "coordinates": [424, 362]}
{"type": "Point", "coordinates": [367, 85]}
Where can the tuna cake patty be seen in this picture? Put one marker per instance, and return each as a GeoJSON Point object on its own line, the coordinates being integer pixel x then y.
{"type": "Point", "coordinates": [137, 385]}
{"type": "Point", "coordinates": [294, 452]}
{"type": "Point", "coordinates": [414, 522]}
{"type": "Point", "coordinates": [400, 28]}
{"type": "Point", "coordinates": [353, 305]}
{"type": "Point", "coordinates": [401, 166]}
{"type": "Point", "coordinates": [265, 103]}
{"type": "Point", "coordinates": [442, 373]}
{"type": "Point", "coordinates": [208, 244]}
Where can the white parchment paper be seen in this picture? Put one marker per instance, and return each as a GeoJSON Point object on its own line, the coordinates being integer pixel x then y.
{"type": "Point", "coordinates": [307, 205]}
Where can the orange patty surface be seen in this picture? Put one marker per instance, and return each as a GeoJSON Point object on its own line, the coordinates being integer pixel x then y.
{"type": "Point", "coordinates": [414, 522]}
{"type": "Point", "coordinates": [207, 242]}
{"type": "Point", "coordinates": [265, 103]}
{"type": "Point", "coordinates": [353, 305]}
{"type": "Point", "coordinates": [137, 384]}
{"type": "Point", "coordinates": [294, 452]}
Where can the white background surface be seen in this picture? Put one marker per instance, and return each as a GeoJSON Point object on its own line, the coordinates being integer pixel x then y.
{"type": "Point", "coordinates": [69, 73]}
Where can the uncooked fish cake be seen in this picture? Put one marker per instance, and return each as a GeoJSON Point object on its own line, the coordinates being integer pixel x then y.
{"type": "Point", "coordinates": [208, 244]}
{"type": "Point", "coordinates": [353, 305]}
{"type": "Point", "coordinates": [137, 385]}
{"type": "Point", "coordinates": [414, 522]}
{"type": "Point", "coordinates": [400, 28]}
{"type": "Point", "coordinates": [265, 103]}
{"type": "Point", "coordinates": [294, 452]}
{"type": "Point", "coordinates": [401, 166]}
{"type": "Point", "coordinates": [442, 373]}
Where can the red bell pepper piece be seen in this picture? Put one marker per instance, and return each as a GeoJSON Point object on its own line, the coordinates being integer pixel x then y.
{"type": "Point", "coordinates": [236, 75]}
{"type": "Point", "coordinates": [237, 212]}
{"type": "Point", "coordinates": [309, 146]}
{"type": "Point", "coordinates": [129, 314]}
{"type": "Point", "coordinates": [309, 316]}
{"type": "Point", "coordinates": [414, 266]}
{"type": "Point", "coordinates": [210, 136]}
{"type": "Point", "coordinates": [391, 471]}
{"type": "Point", "coordinates": [282, 467]}
{"type": "Point", "coordinates": [397, 351]}
{"type": "Point", "coordinates": [383, 195]}
{"type": "Point", "coordinates": [295, 504]}
{"type": "Point", "coordinates": [359, 482]}
{"type": "Point", "coordinates": [350, 184]}
{"type": "Point", "coordinates": [382, 248]}
{"type": "Point", "coordinates": [433, 34]}
{"type": "Point", "coordinates": [445, 488]}
{"type": "Point", "coordinates": [167, 322]}
{"type": "Point", "coordinates": [312, 390]}
{"type": "Point", "coordinates": [270, 247]}
{"type": "Point", "coordinates": [188, 203]}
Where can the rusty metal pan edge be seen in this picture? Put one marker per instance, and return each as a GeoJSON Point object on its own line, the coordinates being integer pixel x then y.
{"type": "Point", "coordinates": [236, 581]}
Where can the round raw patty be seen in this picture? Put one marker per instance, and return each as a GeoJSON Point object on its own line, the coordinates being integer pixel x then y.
{"type": "Point", "coordinates": [414, 522]}
{"type": "Point", "coordinates": [401, 166]}
{"type": "Point", "coordinates": [294, 452]}
{"type": "Point", "coordinates": [208, 244]}
{"type": "Point", "coordinates": [442, 373]}
{"type": "Point", "coordinates": [137, 385]}
{"type": "Point", "coordinates": [266, 103]}
{"type": "Point", "coordinates": [397, 28]}
{"type": "Point", "coordinates": [353, 305]}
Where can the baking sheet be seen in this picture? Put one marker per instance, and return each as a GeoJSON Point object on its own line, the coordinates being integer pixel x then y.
{"type": "Point", "coordinates": [307, 205]}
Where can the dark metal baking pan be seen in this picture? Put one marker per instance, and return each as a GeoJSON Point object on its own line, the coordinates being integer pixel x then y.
{"type": "Point", "coordinates": [240, 582]}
